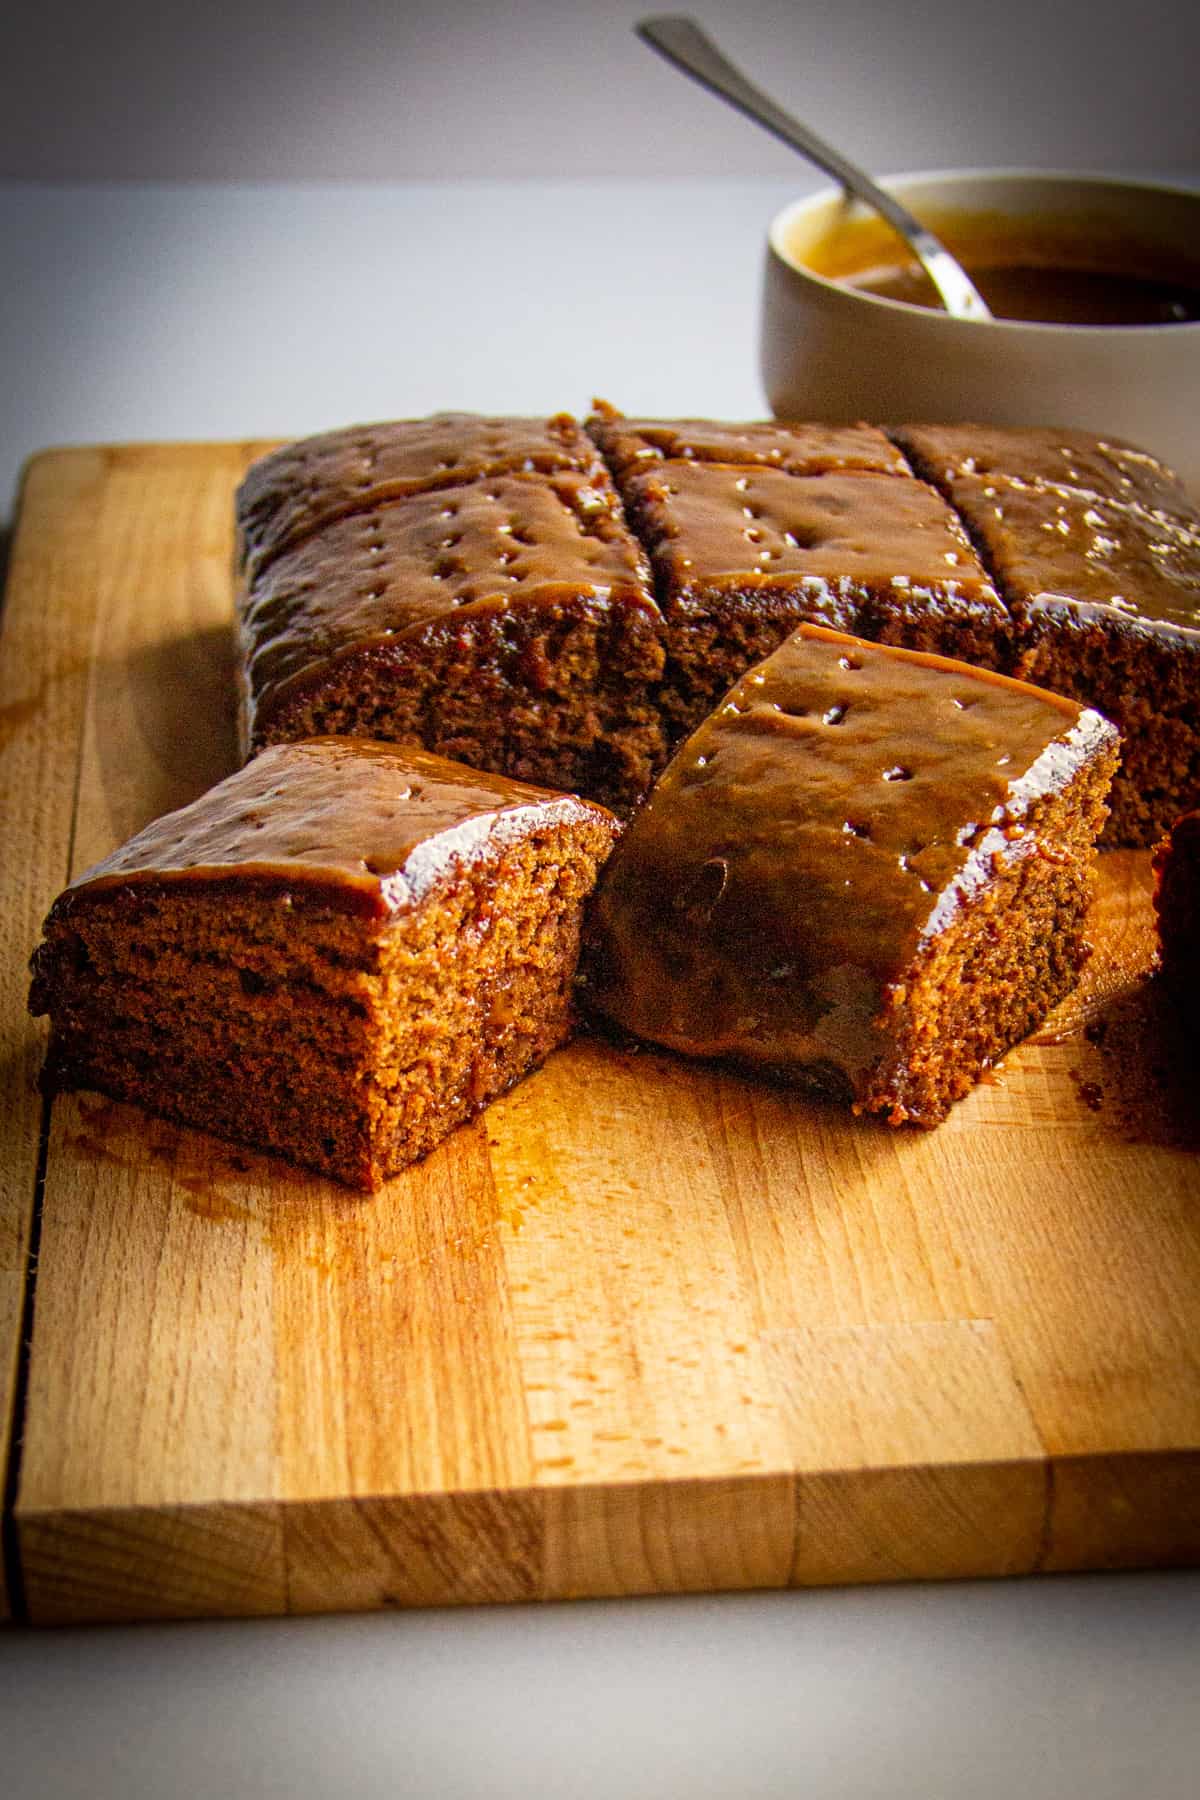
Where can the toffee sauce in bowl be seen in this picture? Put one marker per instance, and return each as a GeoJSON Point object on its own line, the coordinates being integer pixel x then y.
{"type": "Point", "coordinates": [1057, 273]}
{"type": "Point", "coordinates": [834, 350]}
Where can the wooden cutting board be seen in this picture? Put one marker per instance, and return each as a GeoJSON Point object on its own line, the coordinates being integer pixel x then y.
{"type": "Point", "coordinates": [643, 1327]}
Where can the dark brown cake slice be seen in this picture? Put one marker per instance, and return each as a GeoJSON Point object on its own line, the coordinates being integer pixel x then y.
{"type": "Point", "coordinates": [507, 622]}
{"type": "Point", "coordinates": [1177, 907]}
{"type": "Point", "coordinates": [1095, 547]}
{"type": "Point", "coordinates": [743, 555]}
{"type": "Point", "coordinates": [339, 954]}
{"type": "Point", "coordinates": [303, 486]}
{"type": "Point", "coordinates": [867, 872]}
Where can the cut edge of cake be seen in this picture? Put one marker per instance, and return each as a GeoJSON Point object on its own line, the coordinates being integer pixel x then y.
{"type": "Point", "coordinates": [345, 1015]}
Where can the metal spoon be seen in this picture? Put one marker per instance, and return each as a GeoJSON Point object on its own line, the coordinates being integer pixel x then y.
{"type": "Point", "coordinates": [683, 43]}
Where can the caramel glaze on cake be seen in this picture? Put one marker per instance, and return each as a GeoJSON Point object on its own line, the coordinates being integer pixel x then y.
{"type": "Point", "coordinates": [1095, 547]}
{"type": "Point", "coordinates": [1177, 908]}
{"type": "Point", "coordinates": [339, 954]}
{"type": "Point", "coordinates": [867, 873]}
{"type": "Point", "coordinates": [631, 446]}
{"type": "Point", "coordinates": [301, 487]}
{"type": "Point", "coordinates": [507, 622]}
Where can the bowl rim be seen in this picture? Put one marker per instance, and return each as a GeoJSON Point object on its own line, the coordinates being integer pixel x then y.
{"type": "Point", "coordinates": [1176, 188]}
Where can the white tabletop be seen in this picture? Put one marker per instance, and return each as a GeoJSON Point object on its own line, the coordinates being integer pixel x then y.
{"type": "Point", "coordinates": [233, 312]}
{"type": "Point", "coordinates": [239, 312]}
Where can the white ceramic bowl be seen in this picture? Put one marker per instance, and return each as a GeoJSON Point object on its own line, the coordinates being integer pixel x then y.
{"type": "Point", "coordinates": [831, 352]}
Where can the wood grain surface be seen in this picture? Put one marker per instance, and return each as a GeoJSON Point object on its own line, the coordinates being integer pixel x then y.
{"type": "Point", "coordinates": [645, 1326]}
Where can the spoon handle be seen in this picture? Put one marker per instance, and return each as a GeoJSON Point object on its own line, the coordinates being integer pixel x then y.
{"type": "Point", "coordinates": [683, 43]}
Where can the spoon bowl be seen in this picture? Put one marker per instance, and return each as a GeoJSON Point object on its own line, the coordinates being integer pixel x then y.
{"type": "Point", "coordinates": [832, 351]}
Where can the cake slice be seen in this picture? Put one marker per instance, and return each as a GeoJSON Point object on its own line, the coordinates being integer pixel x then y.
{"type": "Point", "coordinates": [507, 622]}
{"type": "Point", "coordinates": [1095, 547]}
{"type": "Point", "coordinates": [339, 954]}
{"type": "Point", "coordinates": [867, 873]}
{"type": "Point", "coordinates": [300, 487]}
{"type": "Point", "coordinates": [743, 555]}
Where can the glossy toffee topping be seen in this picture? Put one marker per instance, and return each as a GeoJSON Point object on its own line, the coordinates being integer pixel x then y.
{"type": "Point", "coordinates": [835, 811]}
{"type": "Point", "coordinates": [633, 444]}
{"type": "Point", "coordinates": [1052, 546]}
{"type": "Point", "coordinates": [502, 542]}
{"type": "Point", "coordinates": [1048, 266]}
{"type": "Point", "coordinates": [860, 533]}
{"type": "Point", "coordinates": [1064, 519]}
{"type": "Point", "coordinates": [1105, 467]}
{"type": "Point", "coordinates": [301, 487]}
{"type": "Point", "coordinates": [370, 822]}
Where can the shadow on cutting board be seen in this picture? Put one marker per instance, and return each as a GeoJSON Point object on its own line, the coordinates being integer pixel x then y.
{"type": "Point", "coordinates": [172, 707]}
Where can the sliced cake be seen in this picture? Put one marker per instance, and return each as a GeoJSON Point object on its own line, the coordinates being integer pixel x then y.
{"type": "Point", "coordinates": [507, 622]}
{"type": "Point", "coordinates": [1095, 547]}
{"type": "Point", "coordinates": [630, 446]}
{"type": "Point", "coordinates": [753, 528]}
{"type": "Point", "coordinates": [339, 954]}
{"type": "Point", "coordinates": [867, 872]}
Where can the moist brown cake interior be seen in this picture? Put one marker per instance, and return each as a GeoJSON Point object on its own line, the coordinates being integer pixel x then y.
{"type": "Point", "coordinates": [339, 954]}
{"type": "Point", "coordinates": [741, 555]}
{"type": "Point", "coordinates": [1089, 584]}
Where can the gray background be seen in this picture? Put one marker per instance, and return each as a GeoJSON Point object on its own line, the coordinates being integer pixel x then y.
{"type": "Point", "coordinates": [1063, 1688]}
{"type": "Point", "coordinates": [372, 90]}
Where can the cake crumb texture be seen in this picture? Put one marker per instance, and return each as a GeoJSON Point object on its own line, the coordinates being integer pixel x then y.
{"type": "Point", "coordinates": [346, 1012]}
{"type": "Point", "coordinates": [567, 605]}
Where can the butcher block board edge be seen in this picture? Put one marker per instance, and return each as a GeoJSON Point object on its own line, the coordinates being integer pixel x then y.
{"type": "Point", "coordinates": [777, 1530]}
